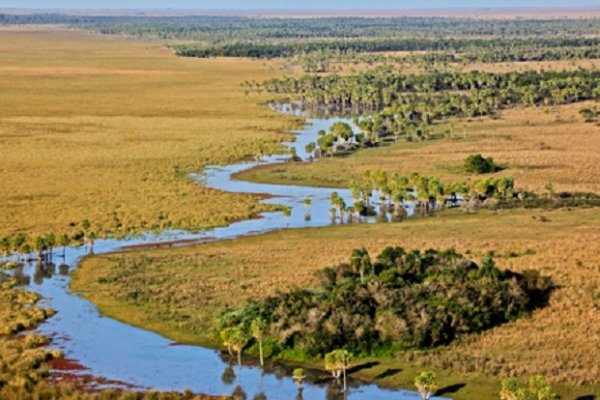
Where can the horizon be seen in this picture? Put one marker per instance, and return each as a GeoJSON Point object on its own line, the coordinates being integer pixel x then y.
{"type": "Point", "coordinates": [283, 6]}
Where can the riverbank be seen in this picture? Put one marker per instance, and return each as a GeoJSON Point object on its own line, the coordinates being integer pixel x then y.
{"type": "Point", "coordinates": [555, 341]}
{"type": "Point", "coordinates": [537, 147]}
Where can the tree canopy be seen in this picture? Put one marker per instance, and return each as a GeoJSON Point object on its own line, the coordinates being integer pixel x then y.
{"type": "Point", "coordinates": [399, 299]}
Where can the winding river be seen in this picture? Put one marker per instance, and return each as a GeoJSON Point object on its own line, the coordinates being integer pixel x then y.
{"type": "Point", "coordinates": [145, 360]}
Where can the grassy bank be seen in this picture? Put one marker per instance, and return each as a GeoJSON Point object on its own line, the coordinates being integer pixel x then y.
{"type": "Point", "coordinates": [25, 359]}
{"type": "Point", "coordinates": [104, 129]}
{"type": "Point", "coordinates": [536, 145]}
{"type": "Point", "coordinates": [177, 291]}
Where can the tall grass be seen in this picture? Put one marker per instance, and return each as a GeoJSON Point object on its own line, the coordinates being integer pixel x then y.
{"type": "Point", "coordinates": [105, 129]}
{"type": "Point", "coordinates": [179, 290]}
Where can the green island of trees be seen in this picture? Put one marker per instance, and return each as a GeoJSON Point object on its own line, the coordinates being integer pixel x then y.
{"type": "Point", "coordinates": [398, 300]}
{"type": "Point", "coordinates": [477, 164]}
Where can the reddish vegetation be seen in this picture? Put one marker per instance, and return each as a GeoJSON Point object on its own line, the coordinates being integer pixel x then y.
{"type": "Point", "coordinates": [66, 364]}
{"type": "Point", "coordinates": [68, 371]}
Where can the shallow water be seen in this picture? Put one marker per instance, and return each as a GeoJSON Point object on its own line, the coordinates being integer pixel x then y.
{"type": "Point", "coordinates": [118, 351]}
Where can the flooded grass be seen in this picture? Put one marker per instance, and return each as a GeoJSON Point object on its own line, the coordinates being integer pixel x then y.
{"type": "Point", "coordinates": [177, 291]}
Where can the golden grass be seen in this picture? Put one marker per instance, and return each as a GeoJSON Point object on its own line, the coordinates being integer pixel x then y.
{"type": "Point", "coordinates": [537, 146]}
{"type": "Point", "coordinates": [186, 286]}
{"type": "Point", "coordinates": [101, 128]}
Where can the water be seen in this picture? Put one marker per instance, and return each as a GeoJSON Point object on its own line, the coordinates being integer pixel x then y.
{"type": "Point", "coordinates": [118, 351]}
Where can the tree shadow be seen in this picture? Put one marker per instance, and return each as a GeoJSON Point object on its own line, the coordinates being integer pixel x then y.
{"type": "Point", "coordinates": [450, 389]}
{"type": "Point", "coordinates": [587, 397]}
{"type": "Point", "coordinates": [387, 373]}
{"type": "Point", "coordinates": [360, 367]}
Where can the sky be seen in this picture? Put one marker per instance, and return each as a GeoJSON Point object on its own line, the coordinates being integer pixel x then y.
{"type": "Point", "coordinates": [290, 5]}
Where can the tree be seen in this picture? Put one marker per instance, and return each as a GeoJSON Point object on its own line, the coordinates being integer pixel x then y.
{"type": "Point", "coordinates": [337, 363]}
{"type": "Point", "coordinates": [287, 213]}
{"type": "Point", "coordinates": [426, 383]}
{"type": "Point", "coordinates": [477, 164]}
{"type": "Point", "coordinates": [341, 130]}
{"type": "Point", "coordinates": [238, 339]}
{"type": "Point", "coordinates": [226, 339]}
{"type": "Point", "coordinates": [540, 389]}
{"type": "Point", "coordinates": [588, 114]}
{"type": "Point", "coordinates": [50, 240]}
{"type": "Point", "coordinates": [549, 187]}
{"type": "Point", "coordinates": [511, 391]}
{"type": "Point", "coordinates": [5, 246]}
{"type": "Point", "coordinates": [64, 241]}
{"type": "Point", "coordinates": [360, 261]}
{"type": "Point", "coordinates": [85, 224]}
{"type": "Point", "coordinates": [91, 239]}
{"type": "Point", "coordinates": [299, 377]}
{"type": "Point", "coordinates": [39, 245]}
{"type": "Point", "coordinates": [259, 329]}
{"type": "Point", "coordinates": [310, 148]}
{"type": "Point", "coordinates": [18, 241]}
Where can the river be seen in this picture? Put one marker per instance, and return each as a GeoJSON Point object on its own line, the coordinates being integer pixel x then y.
{"type": "Point", "coordinates": [118, 351]}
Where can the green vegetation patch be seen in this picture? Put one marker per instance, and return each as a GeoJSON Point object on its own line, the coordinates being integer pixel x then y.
{"type": "Point", "coordinates": [400, 299]}
{"type": "Point", "coordinates": [477, 164]}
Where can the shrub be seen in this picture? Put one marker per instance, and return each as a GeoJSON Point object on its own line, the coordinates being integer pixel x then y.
{"type": "Point", "coordinates": [477, 164]}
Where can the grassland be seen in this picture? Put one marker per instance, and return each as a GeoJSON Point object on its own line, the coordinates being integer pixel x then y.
{"type": "Point", "coordinates": [177, 291]}
{"type": "Point", "coordinates": [536, 145]}
{"type": "Point", "coordinates": [104, 128]}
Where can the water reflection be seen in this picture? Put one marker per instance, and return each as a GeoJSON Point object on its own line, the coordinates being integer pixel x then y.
{"type": "Point", "coordinates": [117, 351]}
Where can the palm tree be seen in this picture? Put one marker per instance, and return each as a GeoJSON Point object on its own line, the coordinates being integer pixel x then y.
{"type": "Point", "coordinates": [238, 338]}
{"type": "Point", "coordinates": [50, 240]}
{"type": "Point", "coordinates": [299, 377]}
{"type": "Point", "coordinates": [337, 363]}
{"type": "Point", "coordinates": [426, 384]}
{"type": "Point", "coordinates": [18, 241]}
{"type": "Point", "coordinates": [64, 241]}
{"type": "Point", "coordinates": [259, 329]}
{"type": "Point", "coordinates": [39, 245]}
{"type": "Point", "coordinates": [226, 339]}
{"type": "Point", "coordinates": [91, 239]}
{"type": "Point", "coordinates": [360, 262]}
{"type": "Point", "coordinates": [307, 205]}
{"type": "Point", "coordinates": [287, 213]}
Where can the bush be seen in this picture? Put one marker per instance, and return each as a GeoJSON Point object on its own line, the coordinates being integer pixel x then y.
{"type": "Point", "coordinates": [477, 164]}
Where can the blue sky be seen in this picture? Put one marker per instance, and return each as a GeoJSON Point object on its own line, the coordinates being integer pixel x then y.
{"type": "Point", "coordinates": [294, 4]}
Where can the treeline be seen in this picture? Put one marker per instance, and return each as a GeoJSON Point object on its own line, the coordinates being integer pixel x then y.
{"type": "Point", "coordinates": [399, 299]}
{"type": "Point", "coordinates": [43, 245]}
{"type": "Point", "coordinates": [235, 28]}
{"type": "Point", "coordinates": [476, 49]}
{"type": "Point", "coordinates": [407, 105]}
{"type": "Point", "coordinates": [380, 192]}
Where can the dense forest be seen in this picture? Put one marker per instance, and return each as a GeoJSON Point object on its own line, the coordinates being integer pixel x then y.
{"type": "Point", "coordinates": [449, 93]}
{"type": "Point", "coordinates": [219, 28]}
{"type": "Point", "coordinates": [451, 39]}
{"type": "Point", "coordinates": [398, 105]}
{"type": "Point", "coordinates": [474, 49]}
{"type": "Point", "coordinates": [399, 299]}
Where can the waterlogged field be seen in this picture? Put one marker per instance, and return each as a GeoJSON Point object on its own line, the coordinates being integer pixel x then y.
{"type": "Point", "coordinates": [536, 145]}
{"type": "Point", "coordinates": [105, 129]}
{"type": "Point", "coordinates": [178, 291]}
